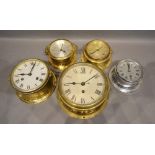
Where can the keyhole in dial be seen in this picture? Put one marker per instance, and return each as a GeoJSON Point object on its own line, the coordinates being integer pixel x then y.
{"type": "Point", "coordinates": [83, 91]}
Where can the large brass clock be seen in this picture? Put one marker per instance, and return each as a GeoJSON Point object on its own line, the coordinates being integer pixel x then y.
{"type": "Point", "coordinates": [83, 90]}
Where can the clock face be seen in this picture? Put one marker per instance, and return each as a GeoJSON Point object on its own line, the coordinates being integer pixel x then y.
{"type": "Point", "coordinates": [29, 75]}
{"type": "Point", "coordinates": [61, 49]}
{"type": "Point", "coordinates": [129, 70]}
{"type": "Point", "coordinates": [97, 49]}
{"type": "Point", "coordinates": [82, 84]}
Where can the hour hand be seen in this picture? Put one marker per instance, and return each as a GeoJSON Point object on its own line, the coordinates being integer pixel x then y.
{"type": "Point", "coordinates": [22, 74]}
{"type": "Point", "coordinates": [96, 50]}
{"type": "Point", "coordinates": [32, 67]}
{"type": "Point", "coordinates": [129, 69]}
{"type": "Point", "coordinates": [73, 83]}
{"type": "Point", "coordinates": [61, 49]}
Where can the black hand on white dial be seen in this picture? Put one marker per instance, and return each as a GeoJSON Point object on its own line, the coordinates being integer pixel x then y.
{"type": "Point", "coordinates": [61, 49]}
{"type": "Point", "coordinates": [22, 74]}
{"type": "Point", "coordinates": [90, 78]}
{"type": "Point", "coordinates": [73, 83]}
{"type": "Point", "coordinates": [83, 83]}
{"type": "Point", "coordinates": [129, 69]}
{"type": "Point", "coordinates": [32, 69]}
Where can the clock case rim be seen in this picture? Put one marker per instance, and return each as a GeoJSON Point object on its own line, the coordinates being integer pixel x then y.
{"type": "Point", "coordinates": [74, 111]}
{"type": "Point", "coordinates": [93, 104]}
{"type": "Point", "coordinates": [48, 52]}
{"type": "Point", "coordinates": [136, 81]}
{"type": "Point", "coordinates": [49, 73]}
{"type": "Point", "coordinates": [85, 53]}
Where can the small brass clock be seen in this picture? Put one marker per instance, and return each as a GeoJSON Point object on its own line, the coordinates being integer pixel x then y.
{"type": "Point", "coordinates": [33, 81]}
{"type": "Point", "coordinates": [61, 53]}
{"type": "Point", "coordinates": [83, 90]}
{"type": "Point", "coordinates": [97, 52]}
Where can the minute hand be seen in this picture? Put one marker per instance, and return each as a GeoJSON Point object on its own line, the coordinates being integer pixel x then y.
{"type": "Point", "coordinates": [90, 78]}
{"type": "Point", "coordinates": [32, 67]}
{"type": "Point", "coordinates": [96, 50]}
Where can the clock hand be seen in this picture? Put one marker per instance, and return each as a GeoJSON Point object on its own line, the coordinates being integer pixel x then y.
{"type": "Point", "coordinates": [32, 69]}
{"type": "Point", "coordinates": [61, 49]}
{"type": "Point", "coordinates": [73, 83]}
{"type": "Point", "coordinates": [22, 74]}
{"type": "Point", "coordinates": [129, 70]}
{"type": "Point", "coordinates": [96, 50]}
{"type": "Point", "coordinates": [90, 78]}
{"type": "Point", "coordinates": [64, 51]}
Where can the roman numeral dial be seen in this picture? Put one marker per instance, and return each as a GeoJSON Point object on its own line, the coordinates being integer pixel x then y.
{"type": "Point", "coordinates": [85, 86]}
{"type": "Point", "coordinates": [29, 76]}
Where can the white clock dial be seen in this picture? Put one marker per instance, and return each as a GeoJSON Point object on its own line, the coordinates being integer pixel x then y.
{"type": "Point", "coordinates": [129, 70]}
{"type": "Point", "coordinates": [83, 84]}
{"type": "Point", "coordinates": [29, 75]}
{"type": "Point", "coordinates": [61, 48]}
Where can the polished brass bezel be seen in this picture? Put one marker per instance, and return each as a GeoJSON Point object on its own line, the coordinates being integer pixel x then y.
{"type": "Point", "coordinates": [85, 52]}
{"type": "Point", "coordinates": [73, 106]}
{"type": "Point", "coordinates": [61, 63]}
{"type": "Point", "coordinates": [102, 66]}
{"type": "Point", "coordinates": [86, 107]}
{"type": "Point", "coordinates": [106, 88]}
{"type": "Point", "coordinates": [48, 52]}
{"type": "Point", "coordinates": [82, 113]}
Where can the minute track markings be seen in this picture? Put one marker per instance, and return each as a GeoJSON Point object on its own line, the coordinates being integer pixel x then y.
{"type": "Point", "coordinates": [82, 85]}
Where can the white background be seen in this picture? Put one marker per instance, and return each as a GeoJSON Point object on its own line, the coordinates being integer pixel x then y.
{"type": "Point", "coordinates": [77, 15]}
{"type": "Point", "coordinates": [80, 14]}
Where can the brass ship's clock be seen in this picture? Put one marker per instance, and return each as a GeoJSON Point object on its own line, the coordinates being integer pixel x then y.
{"type": "Point", "coordinates": [97, 52]}
{"type": "Point", "coordinates": [83, 90]}
{"type": "Point", "coordinates": [61, 53]}
{"type": "Point", "coordinates": [33, 81]}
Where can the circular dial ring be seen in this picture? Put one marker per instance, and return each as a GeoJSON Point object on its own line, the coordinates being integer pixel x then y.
{"type": "Point", "coordinates": [94, 47]}
{"type": "Point", "coordinates": [30, 64]}
{"type": "Point", "coordinates": [92, 104]}
{"type": "Point", "coordinates": [129, 70]}
{"type": "Point", "coordinates": [60, 49]}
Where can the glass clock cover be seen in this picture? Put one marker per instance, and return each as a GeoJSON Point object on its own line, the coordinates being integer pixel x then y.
{"type": "Point", "coordinates": [82, 84]}
{"type": "Point", "coordinates": [29, 75]}
{"type": "Point", "coordinates": [60, 49]}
